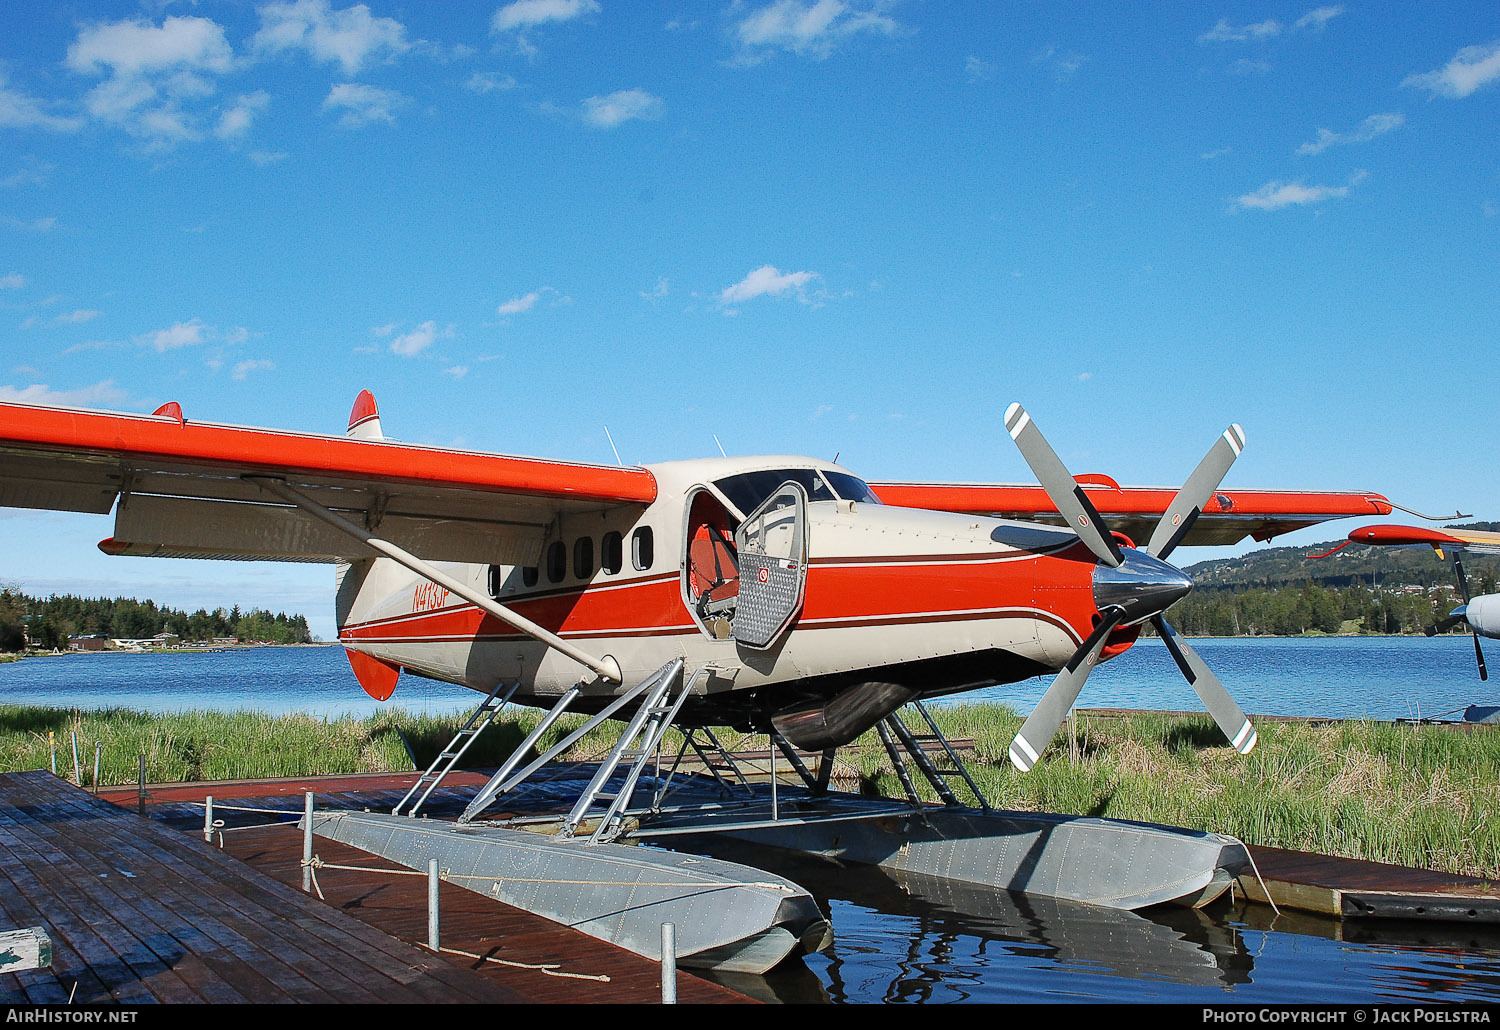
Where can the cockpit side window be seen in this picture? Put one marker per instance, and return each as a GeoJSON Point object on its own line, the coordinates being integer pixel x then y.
{"type": "Point", "coordinates": [748, 489]}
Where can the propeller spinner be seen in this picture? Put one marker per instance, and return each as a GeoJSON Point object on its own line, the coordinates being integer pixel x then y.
{"type": "Point", "coordinates": [1130, 586]}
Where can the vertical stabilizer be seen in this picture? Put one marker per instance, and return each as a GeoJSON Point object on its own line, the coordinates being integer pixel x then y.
{"type": "Point", "coordinates": [364, 420]}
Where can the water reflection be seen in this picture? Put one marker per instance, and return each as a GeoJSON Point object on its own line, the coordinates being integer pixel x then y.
{"type": "Point", "coordinates": [918, 940]}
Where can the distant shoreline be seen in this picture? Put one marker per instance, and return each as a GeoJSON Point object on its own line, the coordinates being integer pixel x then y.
{"type": "Point", "coordinates": [200, 649]}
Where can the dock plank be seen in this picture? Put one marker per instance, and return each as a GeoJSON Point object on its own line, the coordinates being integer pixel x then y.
{"type": "Point", "coordinates": [140, 913]}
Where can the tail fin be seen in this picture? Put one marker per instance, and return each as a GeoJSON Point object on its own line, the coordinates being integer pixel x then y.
{"type": "Point", "coordinates": [364, 420]}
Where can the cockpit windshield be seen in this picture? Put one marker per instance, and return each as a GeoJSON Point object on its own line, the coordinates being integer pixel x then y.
{"type": "Point", "coordinates": [748, 489]}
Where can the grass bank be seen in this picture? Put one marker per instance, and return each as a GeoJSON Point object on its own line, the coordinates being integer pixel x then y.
{"type": "Point", "coordinates": [1413, 795]}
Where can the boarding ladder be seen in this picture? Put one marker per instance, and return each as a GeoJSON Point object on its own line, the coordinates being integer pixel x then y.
{"type": "Point", "coordinates": [639, 741]}
{"type": "Point", "coordinates": [893, 731]}
{"type": "Point", "coordinates": [480, 720]}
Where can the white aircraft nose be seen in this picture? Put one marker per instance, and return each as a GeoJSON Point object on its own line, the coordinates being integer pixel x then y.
{"type": "Point", "coordinates": [1483, 613]}
{"type": "Point", "coordinates": [1142, 585]}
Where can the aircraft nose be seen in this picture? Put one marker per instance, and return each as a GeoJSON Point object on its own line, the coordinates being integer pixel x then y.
{"type": "Point", "coordinates": [1142, 585]}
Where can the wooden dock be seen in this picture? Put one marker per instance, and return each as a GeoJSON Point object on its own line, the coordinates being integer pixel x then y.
{"type": "Point", "coordinates": [1351, 889]}
{"type": "Point", "coordinates": [143, 910]}
{"type": "Point", "coordinates": [140, 912]}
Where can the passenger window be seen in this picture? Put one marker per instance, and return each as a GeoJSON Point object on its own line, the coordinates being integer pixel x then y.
{"type": "Point", "coordinates": [642, 548]}
{"type": "Point", "coordinates": [557, 562]}
{"type": "Point", "coordinates": [494, 581]}
{"type": "Point", "coordinates": [529, 575]}
{"type": "Point", "coordinates": [612, 553]}
{"type": "Point", "coordinates": [583, 557]}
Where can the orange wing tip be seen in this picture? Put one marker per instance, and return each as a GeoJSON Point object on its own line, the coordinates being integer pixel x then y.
{"type": "Point", "coordinates": [110, 545]}
{"type": "Point", "coordinates": [378, 678]}
{"type": "Point", "coordinates": [172, 409]}
{"type": "Point", "coordinates": [364, 410]}
{"type": "Point", "coordinates": [1396, 535]}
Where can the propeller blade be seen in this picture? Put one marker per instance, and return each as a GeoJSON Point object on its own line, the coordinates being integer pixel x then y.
{"type": "Point", "coordinates": [1462, 613]}
{"type": "Point", "coordinates": [1195, 493]}
{"type": "Point", "coordinates": [1463, 581]}
{"type": "Point", "coordinates": [1064, 491]}
{"type": "Point", "coordinates": [1039, 728]}
{"type": "Point", "coordinates": [1215, 698]}
{"type": "Point", "coordinates": [1444, 625]}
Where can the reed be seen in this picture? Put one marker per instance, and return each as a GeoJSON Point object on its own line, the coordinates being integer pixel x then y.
{"type": "Point", "coordinates": [1421, 796]}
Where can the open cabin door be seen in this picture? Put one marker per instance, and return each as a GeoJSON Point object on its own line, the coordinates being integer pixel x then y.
{"type": "Point", "coordinates": [772, 545]}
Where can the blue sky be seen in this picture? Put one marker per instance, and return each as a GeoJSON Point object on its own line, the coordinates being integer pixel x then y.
{"type": "Point", "coordinates": [817, 227]}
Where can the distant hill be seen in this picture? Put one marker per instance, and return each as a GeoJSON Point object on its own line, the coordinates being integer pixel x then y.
{"type": "Point", "coordinates": [1354, 565]}
{"type": "Point", "coordinates": [1327, 588]}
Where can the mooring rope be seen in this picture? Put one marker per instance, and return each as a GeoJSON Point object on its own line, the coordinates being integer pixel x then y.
{"type": "Point", "coordinates": [550, 968]}
{"type": "Point", "coordinates": [1256, 869]}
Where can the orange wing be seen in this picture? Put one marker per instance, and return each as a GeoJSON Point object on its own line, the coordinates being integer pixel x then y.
{"type": "Point", "coordinates": [1229, 517]}
{"type": "Point", "coordinates": [188, 489]}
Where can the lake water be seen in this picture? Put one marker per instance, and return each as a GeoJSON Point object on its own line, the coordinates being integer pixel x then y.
{"type": "Point", "coordinates": [1326, 677]}
{"type": "Point", "coordinates": [928, 942]}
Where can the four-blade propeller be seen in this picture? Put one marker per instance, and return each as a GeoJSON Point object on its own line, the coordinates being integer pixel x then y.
{"type": "Point", "coordinates": [1130, 586]}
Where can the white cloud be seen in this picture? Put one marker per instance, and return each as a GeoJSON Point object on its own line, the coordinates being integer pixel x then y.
{"type": "Point", "coordinates": [135, 48]}
{"type": "Point", "coordinates": [67, 318]}
{"type": "Point", "coordinates": [1063, 65]}
{"type": "Point", "coordinates": [235, 122]}
{"type": "Point", "coordinates": [457, 371]}
{"type": "Point", "coordinates": [621, 106]}
{"type": "Point", "coordinates": [46, 224]}
{"type": "Point", "coordinates": [1315, 20]}
{"type": "Point", "coordinates": [1371, 127]}
{"type": "Point", "coordinates": [765, 281]}
{"type": "Point", "coordinates": [244, 368]}
{"type": "Point", "coordinates": [976, 70]}
{"type": "Point", "coordinates": [182, 334]}
{"type": "Point", "coordinates": [1276, 195]}
{"type": "Point", "coordinates": [657, 292]}
{"type": "Point", "coordinates": [516, 305]}
{"type": "Point", "coordinates": [348, 37]}
{"type": "Point", "coordinates": [521, 18]}
{"type": "Point", "coordinates": [362, 104]}
{"type": "Point", "coordinates": [31, 173]}
{"type": "Point", "coordinates": [808, 29]}
{"type": "Point", "coordinates": [12, 281]}
{"type": "Point", "coordinates": [19, 111]}
{"type": "Point", "coordinates": [524, 14]}
{"type": "Point", "coordinates": [1227, 33]}
{"type": "Point", "coordinates": [419, 339]}
{"type": "Point", "coordinates": [1318, 18]}
{"type": "Point", "coordinates": [488, 82]}
{"type": "Point", "coordinates": [1471, 68]}
{"type": "Point", "coordinates": [153, 76]}
{"type": "Point", "coordinates": [83, 397]}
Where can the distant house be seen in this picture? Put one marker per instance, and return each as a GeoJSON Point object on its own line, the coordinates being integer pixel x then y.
{"type": "Point", "coordinates": [94, 642]}
{"type": "Point", "coordinates": [165, 640]}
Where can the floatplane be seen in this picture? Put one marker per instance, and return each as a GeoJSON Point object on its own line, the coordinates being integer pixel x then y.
{"type": "Point", "coordinates": [782, 595]}
{"type": "Point", "coordinates": [1480, 613]}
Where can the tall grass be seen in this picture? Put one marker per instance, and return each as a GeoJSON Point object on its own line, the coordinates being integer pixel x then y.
{"type": "Point", "coordinates": [1420, 796]}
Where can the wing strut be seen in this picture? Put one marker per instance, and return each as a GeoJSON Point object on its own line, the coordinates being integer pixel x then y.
{"type": "Point", "coordinates": [606, 667]}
